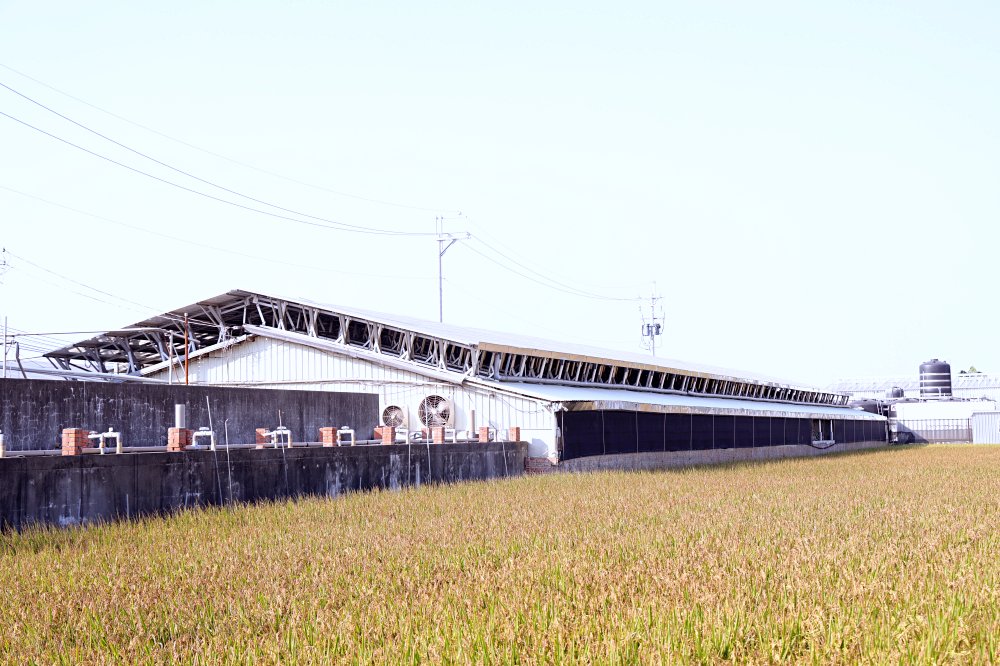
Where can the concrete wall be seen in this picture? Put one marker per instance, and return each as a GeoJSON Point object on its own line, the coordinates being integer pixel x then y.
{"type": "Point", "coordinates": [68, 490]}
{"type": "Point", "coordinates": [668, 459]}
{"type": "Point", "coordinates": [33, 412]}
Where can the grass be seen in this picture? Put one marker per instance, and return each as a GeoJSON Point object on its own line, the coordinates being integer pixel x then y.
{"type": "Point", "coordinates": [880, 557]}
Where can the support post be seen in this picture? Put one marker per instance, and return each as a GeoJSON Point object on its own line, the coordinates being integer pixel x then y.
{"type": "Point", "coordinates": [442, 248]}
{"type": "Point", "coordinates": [186, 349]}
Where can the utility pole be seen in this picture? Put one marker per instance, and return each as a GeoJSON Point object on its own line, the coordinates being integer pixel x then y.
{"type": "Point", "coordinates": [654, 325]}
{"type": "Point", "coordinates": [187, 349]}
{"type": "Point", "coordinates": [442, 248]}
{"type": "Point", "coordinates": [4, 267]}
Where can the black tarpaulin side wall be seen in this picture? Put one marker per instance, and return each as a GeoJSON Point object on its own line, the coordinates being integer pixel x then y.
{"type": "Point", "coordinates": [601, 432]}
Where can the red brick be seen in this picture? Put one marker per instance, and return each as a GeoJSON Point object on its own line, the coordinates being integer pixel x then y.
{"type": "Point", "coordinates": [437, 434]}
{"type": "Point", "coordinates": [179, 439]}
{"type": "Point", "coordinates": [328, 436]}
{"type": "Point", "coordinates": [484, 434]}
{"type": "Point", "coordinates": [74, 440]}
{"type": "Point", "coordinates": [515, 434]}
{"type": "Point", "coordinates": [388, 435]}
{"type": "Point", "coordinates": [261, 438]}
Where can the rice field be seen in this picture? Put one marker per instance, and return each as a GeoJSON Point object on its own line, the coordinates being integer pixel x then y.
{"type": "Point", "coordinates": [885, 556]}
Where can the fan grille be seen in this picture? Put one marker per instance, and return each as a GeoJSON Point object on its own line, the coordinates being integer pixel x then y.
{"type": "Point", "coordinates": [434, 411]}
{"type": "Point", "coordinates": [393, 416]}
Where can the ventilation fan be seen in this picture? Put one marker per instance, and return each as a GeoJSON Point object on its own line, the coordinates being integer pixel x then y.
{"type": "Point", "coordinates": [394, 416]}
{"type": "Point", "coordinates": [435, 411]}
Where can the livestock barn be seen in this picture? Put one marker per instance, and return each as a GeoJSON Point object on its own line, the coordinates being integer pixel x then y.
{"type": "Point", "coordinates": [581, 407]}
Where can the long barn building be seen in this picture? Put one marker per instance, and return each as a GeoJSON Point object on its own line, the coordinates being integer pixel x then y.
{"type": "Point", "coordinates": [583, 407]}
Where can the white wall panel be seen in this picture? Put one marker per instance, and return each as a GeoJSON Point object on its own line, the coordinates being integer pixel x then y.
{"type": "Point", "coordinates": [266, 363]}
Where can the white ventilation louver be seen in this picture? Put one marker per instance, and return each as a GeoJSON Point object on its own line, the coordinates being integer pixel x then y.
{"type": "Point", "coordinates": [394, 416]}
{"type": "Point", "coordinates": [435, 411]}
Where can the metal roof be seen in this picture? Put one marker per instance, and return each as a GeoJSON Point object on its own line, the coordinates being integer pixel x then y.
{"type": "Point", "coordinates": [505, 341]}
{"type": "Point", "coordinates": [487, 354]}
{"type": "Point", "coordinates": [576, 398]}
{"type": "Point", "coordinates": [960, 380]}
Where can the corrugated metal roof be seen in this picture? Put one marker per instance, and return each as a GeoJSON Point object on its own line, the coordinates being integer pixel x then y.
{"type": "Point", "coordinates": [958, 381]}
{"type": "Point", "coordinates": [485, 340]}
{"type": "Point", "coordinates": [503, 341]}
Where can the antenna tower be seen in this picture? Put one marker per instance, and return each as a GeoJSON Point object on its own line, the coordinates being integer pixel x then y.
{"type": "Point", "coordinates": [652, 321]}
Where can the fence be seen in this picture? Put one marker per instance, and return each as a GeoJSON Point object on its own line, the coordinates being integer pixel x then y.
{"type": "Point", "coordinates": [986, 427]}
{"type": "Point", "coordinates": [924, 431]}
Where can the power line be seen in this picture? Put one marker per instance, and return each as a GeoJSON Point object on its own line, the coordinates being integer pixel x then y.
{"type": "Point", "coordinates": [44, 336]}
{"type": "Point", "coordinates": [484, 235]}
{"type": "Point", "coordinates": [332, 224]}
{"type": "Point", "coordinates": [557, 286]}
{"type": "Point", "coordinates": [533, 322]}
{"type": "Point", "coordinates": [68, 279]}
{"type": "Point", "coordinates": [271, 259]}
{"type": "Point", "coordinates": [88, 296]}
{"type": "Point", "coordinates": [187, 173]}
{"type": "Point", "coordinates": [220, 156]}
{"type": "Point", "coordinates": [578, 291]}
{"type": "Point", "coordinates": [145, 309]}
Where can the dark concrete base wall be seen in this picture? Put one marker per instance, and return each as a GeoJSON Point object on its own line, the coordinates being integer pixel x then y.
{"type": "Point", "coordinates": [33, 412]}
{"type": "Point", "coordinates": [668, 459]}
{"type": "Point", "coordinates": [69, 490]}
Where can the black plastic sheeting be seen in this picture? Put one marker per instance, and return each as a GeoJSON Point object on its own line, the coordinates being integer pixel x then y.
{"type": "Point", "coordinates": [595, 433]}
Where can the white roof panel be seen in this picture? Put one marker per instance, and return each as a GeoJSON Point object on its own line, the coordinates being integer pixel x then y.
{"type": "Point", "coordinates": [499, 340]}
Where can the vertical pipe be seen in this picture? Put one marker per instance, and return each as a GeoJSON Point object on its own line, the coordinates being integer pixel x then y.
{"type": "Point", "coordinates": [440, 281]}
{"type": "Point", "coordinates": [170, 358]}
{"type": "Point", "coordinates": [652, 318]}
{"type": "Point", "coordinates": [186, 349]}
{"type": "Point", "coordinates": [5, 346]}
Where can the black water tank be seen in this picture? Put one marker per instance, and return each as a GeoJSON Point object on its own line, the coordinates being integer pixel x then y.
{"type": "Point", "coordinates": [896, 392]}
{"type": "Point", "coordinates": [935, 379]}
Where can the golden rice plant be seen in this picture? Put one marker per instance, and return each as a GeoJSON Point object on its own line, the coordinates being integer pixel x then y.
{"type": "Point", "coordinates": [881, 557]}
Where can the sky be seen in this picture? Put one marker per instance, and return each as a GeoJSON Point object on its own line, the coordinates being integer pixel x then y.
{"type": "Point", "coordinates": [811, 188]}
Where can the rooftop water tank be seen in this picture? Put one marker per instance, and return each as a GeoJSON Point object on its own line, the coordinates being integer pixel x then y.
{"type": "Point", "coordinates": [896, 392]}
{"type": "Point", "coordinates": [935, 379]}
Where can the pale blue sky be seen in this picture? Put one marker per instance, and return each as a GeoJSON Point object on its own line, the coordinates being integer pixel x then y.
{"type": "Point", "coordinates": [813, 188]}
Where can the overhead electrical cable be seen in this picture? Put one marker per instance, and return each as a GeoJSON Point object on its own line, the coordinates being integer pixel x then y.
{"type": "Point", "coordinates": [545, 284]}
{"type": "Point", "coordinates": [68, 279]}
{"type": "Point", "coordinates": [331, 224]}
{"type": "Point", "coordinates": [40, 337]}
{"type": "Point", "coordinates": [534, 323]}
{"type": "Point", "coordinates": [204, 180]}
{"type": "Point", "coordinates": [223, 157]}
{"type": "Point", "coordinates": [572, 289]}
{"type": "Point", "coordinates": [89, 296]}
{"type": "Point", "coordinates": [126, 303]}
{"type": "Point", "coordinates": [484, 236]}
{"type": "Point", "coordinates": [273, 260]}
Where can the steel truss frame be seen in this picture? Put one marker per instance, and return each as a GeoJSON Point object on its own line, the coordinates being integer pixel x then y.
{"type": "Point", "coordinates": [219, 320]}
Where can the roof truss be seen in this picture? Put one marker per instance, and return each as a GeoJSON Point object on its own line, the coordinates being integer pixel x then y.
{"type": "Point", "coordinates": [221, 319]}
